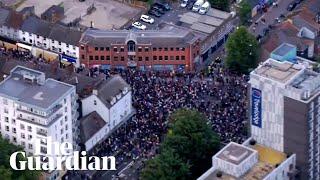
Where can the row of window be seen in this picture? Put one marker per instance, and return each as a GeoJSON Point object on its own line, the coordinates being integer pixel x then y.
{"type": "Point", "coordinates": [140, 58]}
{"type": "Point", "coordinates": [146, 49]}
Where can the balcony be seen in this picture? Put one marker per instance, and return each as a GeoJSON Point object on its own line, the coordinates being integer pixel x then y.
{"type": "Point", "coordinates": [42, 132]}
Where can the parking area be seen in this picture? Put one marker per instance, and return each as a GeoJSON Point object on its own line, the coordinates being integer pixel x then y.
{"type": "Point", "coordinates": [107, 14]}
{"type": "Point", "coordinates": [172, 16]}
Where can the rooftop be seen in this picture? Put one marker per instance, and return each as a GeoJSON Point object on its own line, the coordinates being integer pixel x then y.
{"type": "Point", "coordinates": [279, 71]}
{"type": "Point", "coordinates": [29, 86]}
{"type": "Point", "coordinates": [234, 153]}
{"type": "Point", "coordinates": [90, 125]}
{"type": "Point", "coordinates": [283, 49]}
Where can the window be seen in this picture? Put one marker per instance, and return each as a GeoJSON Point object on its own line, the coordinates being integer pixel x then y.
{"type": "Point", "coordinates": [116, 58]}
{"type": "Point", "coordinates": [59, 49]}
{"type": "Point", "coordinates": [14, 130]}
{"type": "Point", "coordinates": [82, 47]}
{"type": "Point", "coordinates": [107, 49]}
{"type": "Point", "coordinates": [6, 119]}
{"type": "Point", "coordinates": [140, 58]}
{"type": "Point", "coordinates": [94, 102]}
{"type": "Point", "coordinates": [171, 58]}
{"type": "Point", "coordinates": [115, 49]}
{"type": "Point", "coordinates": [160, 58]}
{"type": "Point", "coordinates": [59, 43]}
{"type": "Point", "coordinates": [101, 48]}
{"type": "Point", "coordinates": [171, 49]}
{"type": "Point", "coordinates": [90, 57]}
{"type": "Point", "coordinates": [96, 57]}
{"type": "Point", "coordinates": [160, 49]}
{"type": "Point", "coordinates": [30, 41]}
{"type": "Point", "coordinates": [96, 48]}
{"type": "Point", "coordinates": [177, 57]}
{"type": "Point", "coordinates": [183, 49]}
{"type": "Point", "coordinates": [23, 136]}
{"type": "Point", "coordinates": [165, 49]}
{"type": "Point", "coordinates": [146, 49]}
{"type": "Point", "coordinates": [139, 49]}
{"type": "Point", "coordinates": [183, 58]}
{"type": "Point", "coordinates": [122, 58]}
{"type": "Point", "coordinates": [52, 41]}
{"type": "Point", "coordinates": [7, 128]}
{"type": "Point", "coordinates": [38, 36]}
{"type": "Point", "coordinates": [67, 45]}
{"type": "Point", "coordinates": [101, 58]}
{"type": "Point", "coordinates": [29, 128]}
{"type": "Point", "coordinates": [21, 126]}
{"type": "Point", "coordinates": [82, 56]}
{"type": "Point", "coordinates": [29, 137]}
{"type": "Point", "coordinates": [6, 110]}
{"type": "Point", "coordinates": [177, 49]}
{"type": "Point", "coordinates": [146, 58]}
{"type": "Point", "coordinates": [154, 49]}
{"type": "Point", "coordinates": [122, 49]}
{"type": "Point", "coordinates": [30, 146]}
{"type": "Point", "coordinates": [108, 58]}
{"type": "Point", "coordinates": [166, 58]}
{"type": "Point", "coordinates": [24, 39]}
{"type": "Point", "coordinates": [154, 58]}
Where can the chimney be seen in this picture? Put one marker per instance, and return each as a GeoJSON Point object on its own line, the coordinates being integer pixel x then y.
{"type": "Point", "coordinates": [95, 92]}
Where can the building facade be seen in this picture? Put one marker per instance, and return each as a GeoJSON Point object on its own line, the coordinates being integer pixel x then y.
{"type": "Point", "coordinates": [284, 100]}
{"type": "Point", "coordinates": [160, 50]}
{"type": "Point", "coordinates": [33, 107]}
{"type": "Point", "coordinates": [109, 105]}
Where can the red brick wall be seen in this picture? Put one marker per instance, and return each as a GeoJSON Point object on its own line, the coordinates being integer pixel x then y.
{"type": "Point", "coordinates": [188, 53]}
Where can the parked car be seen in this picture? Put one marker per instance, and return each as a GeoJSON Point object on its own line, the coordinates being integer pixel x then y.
{"type": "Point", "coordinates": [204, 8]}
{"type": "Point", "coordinates": [158, 9]}
{"type": "Point", "coordinates": [154, 13]}
{"type": "Point", "coordinates": [164, 6]}
{"type": "Point", "coordinates": [184, 3]}
{"type": "Point", "coordinates": [138, 25]}
{"type": "Point", "coordinates": [291, 6]}
{"type": "Point", "coordinates": [197, 5]}
{"type": "Point", "coordinates": [147, 19]}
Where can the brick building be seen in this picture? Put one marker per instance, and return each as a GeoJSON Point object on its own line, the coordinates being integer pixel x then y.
{"type": "Point", "coordinates": [167, 49]}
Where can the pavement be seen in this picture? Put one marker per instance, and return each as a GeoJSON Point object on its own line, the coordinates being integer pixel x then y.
{"type": "Point", "coordinates": [270, 17]}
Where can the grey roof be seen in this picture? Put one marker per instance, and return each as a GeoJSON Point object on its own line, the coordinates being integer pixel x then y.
{"type": "Point", "coordinates": [32, 93]}
{"type": "Point", "coordinates": [65, 34]}
{"type": "Point", "coordinates": [57, 32]}
{"type": "Point", "coordinates": [53, 10]}
{"type": "Point", "coordinates": [110, 88]}
{"type": "Point", "coordinates": [90, 125]}
{"type": "Point", "coordinates": [173, 36]}
{"type": "Point", "coordinates": [36, 26]}
{"type": "Point", "coordinates": [4, 13]}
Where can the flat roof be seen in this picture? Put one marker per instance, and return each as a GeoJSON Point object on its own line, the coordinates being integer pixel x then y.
{"type": "Point", "coordinates": [269, 155]}
{"type": "Point", "coordinates": [90, 125]}
{"type": "Point", "coordinates": [32, 93]}
{"type": "Point", "coordinates": [278, 71]}
{"type": "Point", "coordinates": [283, 49]}
{"type": "Point", "coordinates": [235, 153]}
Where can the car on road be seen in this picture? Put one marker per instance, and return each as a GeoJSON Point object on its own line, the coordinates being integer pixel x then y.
{"type": "Point", "coordinates": [291, 6]}
{"type": "Point", "coordinates": [147, 19]}
{"type": "Point", "coordinates": [158, 9]}
{"type": "Point", "coordinates": [154, 13]}
{"type": "Point", "coordinates": [138, 25]}
{"type": "Point", "coordinates": [184, 3]}
{"type": "Point", "coordinates": [164, 6]}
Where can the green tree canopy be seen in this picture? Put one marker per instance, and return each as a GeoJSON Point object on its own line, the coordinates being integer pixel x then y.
{"type": "Point", "coordinates": [166, 166]}
{"type": "Point", "coordinates": [242, 51]}
{"type": "Point", "coordinates": [220, 4]}
{"type": "Point", "coordinates": [192, 140]}
{"type": "Point", "coordinates": [244, 12]}
{"type": "Point", "coordinates": [6, 149]}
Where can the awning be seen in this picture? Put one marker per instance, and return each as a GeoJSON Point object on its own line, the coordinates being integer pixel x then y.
{"type": "Point", "coordinates": [67, 58]}
{"type": "Point", "coordinates": [24, 46]}
{"type": "Point", "coordinates": [7, 40]}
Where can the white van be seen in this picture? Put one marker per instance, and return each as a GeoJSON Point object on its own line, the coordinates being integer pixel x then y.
{"type": "Point", "coordinates": [204, 8]}
{"type": "Point", "coordinates": [197, 5]}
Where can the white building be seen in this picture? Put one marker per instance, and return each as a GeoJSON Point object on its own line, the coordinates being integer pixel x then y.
{"type": "Point", "coordinates": [48, 40]}
{"type": "Point", "coordinates": [10, 23]}
{"type": "Point", "coordinates": [245, 161]}
{"type": "Point", "coordinates": [33, 107]}
{"type": "Point", "coordinates": [109, 105]}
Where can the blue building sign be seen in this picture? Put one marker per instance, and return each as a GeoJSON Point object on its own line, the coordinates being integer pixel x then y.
{"type": "Point", "coordinates": [67, 58]}
{"type": "Point", "coordinates": [256, 98]}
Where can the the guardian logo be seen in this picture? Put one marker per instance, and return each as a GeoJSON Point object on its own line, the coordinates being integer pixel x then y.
{"type": "Point", "coordinates": [59, 155]}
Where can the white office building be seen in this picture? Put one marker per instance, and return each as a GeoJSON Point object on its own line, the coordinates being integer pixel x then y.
{"type": "Point", "coordinates": [108, 106]}
{"type": "Point", "coordinates": [33, 107]}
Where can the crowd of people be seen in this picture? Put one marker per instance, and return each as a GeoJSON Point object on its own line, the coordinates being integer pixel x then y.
{"type": "Point", "coordinates": [218, 93]}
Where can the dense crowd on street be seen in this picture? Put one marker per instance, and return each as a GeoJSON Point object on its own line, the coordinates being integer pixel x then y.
{"type": "Point", "coordinates": [220, 95]}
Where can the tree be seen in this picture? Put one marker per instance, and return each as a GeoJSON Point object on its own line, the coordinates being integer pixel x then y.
{"type": "Point", "coordinates": [166, 166]}
{"type": "Point", "coordinates": [6, 149]}
{"type": "Point", "coordinates": [193, 139]}
{"type": "Point", "coordinates": [244, 12]}
{"type": "Point", "coordinates": [242, 51]}
{"type": "Point", "coordinates": [220, 4]}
